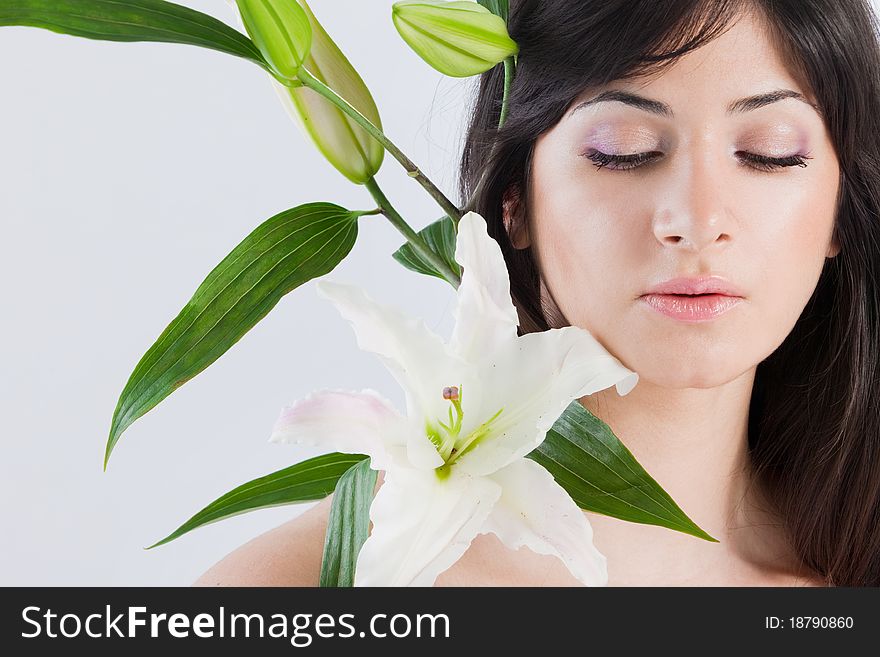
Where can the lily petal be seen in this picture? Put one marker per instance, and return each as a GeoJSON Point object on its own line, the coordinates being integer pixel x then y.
{"type": "Point", "coordinates": [422, 525]}
{"type": "Point", "coordinates": [534, 378]}
{"type": "Point", "coordinates": [485, 315]}
{"type": "Point", "coordinates": [536, 512]}
{"type": "Point", "coordinates": [345, 421]}
{"type": "Point", "coordinates": [417, 357]}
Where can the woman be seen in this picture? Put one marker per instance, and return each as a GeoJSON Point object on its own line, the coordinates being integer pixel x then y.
{"type": "Point", "coordinates": [731, 143]}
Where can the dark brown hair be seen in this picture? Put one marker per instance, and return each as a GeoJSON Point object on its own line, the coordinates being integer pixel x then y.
{"type": "Point", "coordinates": [814, 419]}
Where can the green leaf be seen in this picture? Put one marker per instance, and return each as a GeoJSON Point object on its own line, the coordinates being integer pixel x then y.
{"type": "Point", "coordinates": [132, 20]}
{"type": "Point", "coordinates": [440, 237]}
{"type": "Point", "coordinates": [497, 7]}
{"type": "Point", "coordinates": [603, 476]}
{"type": "Point", "coordinates": [309, 480]}
{"type": "Point", "coordinates": [348, 525]}
{"type": "Point", "coordinates": [284, 252]}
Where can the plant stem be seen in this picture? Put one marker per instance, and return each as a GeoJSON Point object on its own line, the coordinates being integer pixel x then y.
{"type": "Point", "coordinates": [509, 74]}
{"type": "Point", "coordinates": [412, 236]}
{"type": "Point", "coordinates": [361, 213]}
{"type": "Point", "coordinates": [509, 71]}
{"type": "Point", "coordinates": [412, 170]}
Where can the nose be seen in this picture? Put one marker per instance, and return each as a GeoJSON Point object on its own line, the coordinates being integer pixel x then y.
{"type": "Point", "coordinates": [693, 214]}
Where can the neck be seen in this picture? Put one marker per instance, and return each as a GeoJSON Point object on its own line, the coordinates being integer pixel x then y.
{"type": "Point", "coordinates": [694, 443]}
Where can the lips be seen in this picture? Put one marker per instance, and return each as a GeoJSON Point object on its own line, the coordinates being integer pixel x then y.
{"type": "Point", "coordinates": [696, 286]}
{"type": "Point", "coordinates": [691, 308]}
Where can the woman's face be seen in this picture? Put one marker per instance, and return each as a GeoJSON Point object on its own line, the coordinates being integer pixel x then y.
{"type": "Point", "coordinates": [696, 207]}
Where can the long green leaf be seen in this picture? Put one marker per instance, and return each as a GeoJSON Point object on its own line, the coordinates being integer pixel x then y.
{"type": "Point", "coordinates": [580, 451]}
{"type": "Point", "coordinates": [602, 475]}
{"type": "Point", "coordinates": [440, 237]}
{"type": "Point", "coordinates": [131, 20]}
{"type": "Point", "coordinates": [284, 252]}
{"type": "Point", "coordinates": [308, 480]}
{"type": "Point", "coordinates": [348, 526]}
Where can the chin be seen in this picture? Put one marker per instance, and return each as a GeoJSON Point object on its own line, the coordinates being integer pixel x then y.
{"type": "Point", "coordinates": [691, 379]}
{"type": "Point", "coordinates": [676, 370]}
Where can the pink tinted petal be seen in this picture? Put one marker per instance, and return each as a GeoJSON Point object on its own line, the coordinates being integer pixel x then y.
{"type": "Point", "coordinates": [344, 421]}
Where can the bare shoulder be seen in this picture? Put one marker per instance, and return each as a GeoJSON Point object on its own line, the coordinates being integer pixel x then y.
{"type": "Point", "coordinates": [288, 555]}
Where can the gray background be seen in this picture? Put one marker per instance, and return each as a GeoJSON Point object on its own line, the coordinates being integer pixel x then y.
{"type": "Point", "coordinates": [127, 171]}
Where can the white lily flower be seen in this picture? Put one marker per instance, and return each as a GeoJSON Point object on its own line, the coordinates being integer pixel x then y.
{"type": "Point", "coordinates": [455, 464]}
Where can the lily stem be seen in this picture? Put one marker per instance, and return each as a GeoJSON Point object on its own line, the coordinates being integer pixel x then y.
{"type": "Point", "coordinates": [509, 75]}
{"type": "Point", "coordinates": [313, 83]}
{"type": "Point", "coordinates": [509, 71]}
{"type": "Point", "coordinates": [362, 213]}
{"type": "Point", "coordinates": [412, 236]}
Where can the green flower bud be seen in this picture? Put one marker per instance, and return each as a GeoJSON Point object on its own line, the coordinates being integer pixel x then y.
{"type": "Point", "coordinates": [458, 39]}
{"type": "Point", "coordinates": [346, 145]}
{"type": "Point", "coordinates": [280, 29]}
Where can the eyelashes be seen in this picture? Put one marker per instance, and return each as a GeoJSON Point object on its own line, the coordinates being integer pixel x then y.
{"type": "Point", "coordinates": [627, 162]}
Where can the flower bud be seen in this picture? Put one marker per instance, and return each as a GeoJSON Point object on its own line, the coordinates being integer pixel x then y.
{"type": "Point", "coordinates": [346, 145]}
{"type": "Point", "coordinates": [458, 39]}
{"type": "Point", "coordinates": [281, 31]}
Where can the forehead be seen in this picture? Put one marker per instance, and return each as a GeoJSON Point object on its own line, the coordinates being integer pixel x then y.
{"type": "Point", "coordinates": [742, 61]}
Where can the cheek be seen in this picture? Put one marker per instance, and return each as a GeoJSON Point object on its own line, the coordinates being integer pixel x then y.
{"type": "Point", "coordinates": [586, 251]}
{"type": "Point", "coordinates": [597, 252]}
{"type": "Point", "coordinates": [790, 248]}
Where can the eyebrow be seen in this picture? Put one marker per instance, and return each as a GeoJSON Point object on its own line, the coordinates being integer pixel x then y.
{"type": "Point", "coordinates": [740, 106]}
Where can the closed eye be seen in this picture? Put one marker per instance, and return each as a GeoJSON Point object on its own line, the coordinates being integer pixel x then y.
{"type": "Point", "coordinates": [634, 160]}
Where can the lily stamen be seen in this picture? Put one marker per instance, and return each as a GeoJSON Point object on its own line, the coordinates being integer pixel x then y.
{"type": "Point", "coordinates": [446, 443]}
{"type": "Point", "coordinates": [473, 438]}
{"type": "Point", "coordinates": [451, 445]}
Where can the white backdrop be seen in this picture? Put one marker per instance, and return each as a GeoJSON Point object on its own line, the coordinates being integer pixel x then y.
{"type": "Point", "coordinates": [127, 171]}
